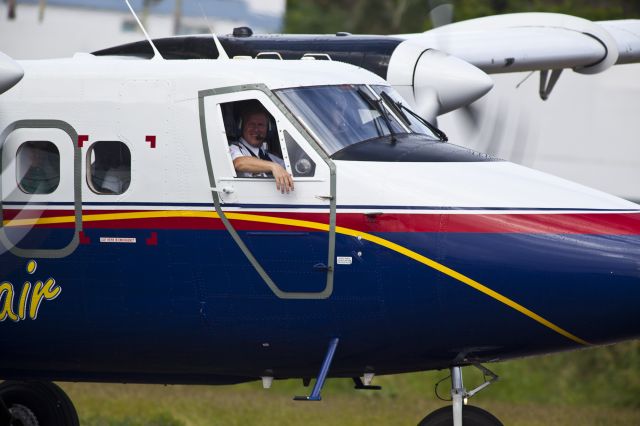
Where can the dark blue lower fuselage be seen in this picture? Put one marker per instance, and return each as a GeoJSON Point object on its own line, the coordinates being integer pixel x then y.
{"type": "Point", "coordinates": [192, 309]}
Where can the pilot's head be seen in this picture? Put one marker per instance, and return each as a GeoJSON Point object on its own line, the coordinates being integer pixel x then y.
{"type": "Point", "coordinates": [254, 126]}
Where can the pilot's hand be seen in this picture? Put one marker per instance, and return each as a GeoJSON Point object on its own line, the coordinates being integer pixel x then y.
{"type": "Point", "coordinates": [284, 181]}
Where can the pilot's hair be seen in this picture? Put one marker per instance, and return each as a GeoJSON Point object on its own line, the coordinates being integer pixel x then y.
{"type": "Point", "coordinates": [251, 110]}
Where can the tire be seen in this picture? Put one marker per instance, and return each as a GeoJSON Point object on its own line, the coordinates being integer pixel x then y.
{"type": "Point", "coordinates": [471, 416]}
{"type": "Point", "coordinates": [38, 404]}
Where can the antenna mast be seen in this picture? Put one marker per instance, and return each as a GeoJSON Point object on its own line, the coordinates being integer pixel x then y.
{"type": "Point", "coordinates": [222, 54]}
{"type": "Point", "coordinates": [156, 52]}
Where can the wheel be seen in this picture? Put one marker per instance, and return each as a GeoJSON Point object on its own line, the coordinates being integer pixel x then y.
{"type": "Point", "coordinates": [38, 404]}
{"type": "Point", "coordinates": [471, 416]}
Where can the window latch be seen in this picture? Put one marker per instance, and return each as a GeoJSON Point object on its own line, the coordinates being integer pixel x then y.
{"type": "Point", "coordinates": [226, 190]}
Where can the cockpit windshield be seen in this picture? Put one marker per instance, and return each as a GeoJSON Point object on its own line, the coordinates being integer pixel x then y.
{"type": "Point", "coordinates": [393, 100]}
{"type": "Point", "coordinates": [344, 115]}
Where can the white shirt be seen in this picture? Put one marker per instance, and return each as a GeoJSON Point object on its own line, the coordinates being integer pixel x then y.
{"type": "Point", "coordinates": [244, 149]}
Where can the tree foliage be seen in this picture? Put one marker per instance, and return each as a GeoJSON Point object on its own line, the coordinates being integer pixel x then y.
{"type": "Point", "coordinates": [405, 16]}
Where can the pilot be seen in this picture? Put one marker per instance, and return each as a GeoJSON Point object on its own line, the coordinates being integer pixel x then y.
{"type": "Point", "coordinates": [249, 157]}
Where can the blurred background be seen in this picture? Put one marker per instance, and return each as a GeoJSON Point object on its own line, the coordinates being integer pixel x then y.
{"type": "Point", "coordinates": [587, 131]}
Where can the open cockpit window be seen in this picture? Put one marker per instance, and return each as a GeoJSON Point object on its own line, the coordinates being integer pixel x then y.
{"type": "Point", "coordinates": [235, 116]}
{"type": "Point", "coordinates": [252, 131]}
{"type": "Point", "coordinates": [109, 167]}
{"type": "Point", "coordinates": [38, 167]}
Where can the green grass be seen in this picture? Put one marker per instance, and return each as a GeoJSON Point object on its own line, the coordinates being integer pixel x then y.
{"type": "Point", "coordinates": [592, 387]}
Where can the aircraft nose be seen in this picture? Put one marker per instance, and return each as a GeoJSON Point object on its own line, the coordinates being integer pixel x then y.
{"type": "Point", "coordinates": [10, 73]}
{"type": "Point", "coordinates": [605, 283]}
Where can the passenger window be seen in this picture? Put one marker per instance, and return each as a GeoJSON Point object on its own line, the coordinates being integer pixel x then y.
{"type": "Point", "coordinates": [109, 167]}
{"type": "Point", "coordinates": [38, 167]}
{"type": "Point", "coordinates": [301, 164]}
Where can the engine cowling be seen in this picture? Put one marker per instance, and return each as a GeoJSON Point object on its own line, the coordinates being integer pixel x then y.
{"type": "Point", "coordinates": [10, 73]}
{"type": "Point", "coordinates": [434, 81]}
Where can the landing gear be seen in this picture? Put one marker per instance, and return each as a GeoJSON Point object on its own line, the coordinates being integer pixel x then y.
{"type": "Point", "coordinates": [37, 404]}
{"type": "Point", "coordinates": [471, 416]}
{"type": "Point", "coordinates": [461, 414]}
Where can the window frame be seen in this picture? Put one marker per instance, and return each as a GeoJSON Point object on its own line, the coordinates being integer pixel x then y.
{"type": "Point", "coordinates": [89, 164]}
{"type": "Point", "coordinates": [18, 168]}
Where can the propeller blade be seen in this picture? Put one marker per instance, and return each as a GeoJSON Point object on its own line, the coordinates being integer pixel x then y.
{"type": "Point", "coordinates": [472, 115]}
{"type": "Point", "coordinates": [441, 14]}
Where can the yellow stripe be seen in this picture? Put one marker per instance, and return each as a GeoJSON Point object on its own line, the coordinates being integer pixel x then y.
{"type": "Point", "coordinates": [110, 216]}
{"type": "Point", "coordinates": [310, 225]}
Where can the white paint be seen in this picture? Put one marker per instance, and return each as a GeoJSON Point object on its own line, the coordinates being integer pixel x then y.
{"type": "Point", "coordinates": [487, 184]}
{"type": "Point", "coordinates": [127, 99]}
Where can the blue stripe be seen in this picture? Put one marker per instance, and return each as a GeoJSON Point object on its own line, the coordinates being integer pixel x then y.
{"type": "Point", "coordinates": [319, 207]}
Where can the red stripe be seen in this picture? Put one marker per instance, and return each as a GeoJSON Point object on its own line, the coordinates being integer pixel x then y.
{"type": "Point", "coordinates": [536, 223]}
{"type": "Point", "coordinates": [576, 223]}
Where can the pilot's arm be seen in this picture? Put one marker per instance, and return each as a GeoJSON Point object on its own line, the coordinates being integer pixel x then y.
{"type": "Point", "coordinates": [248, 164]}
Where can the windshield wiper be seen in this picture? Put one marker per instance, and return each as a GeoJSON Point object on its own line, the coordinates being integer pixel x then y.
{"type": "Point", "coordinates": [376, 104]}
{"type": "Point", "coordinates": [433, 128]}
{"type": "Point", "coordinates": [397, 108]}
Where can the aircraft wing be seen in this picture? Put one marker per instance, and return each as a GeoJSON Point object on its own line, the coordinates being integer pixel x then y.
{"type": "Point", "coordinates": [536, 41]}
{"type": "Point", "coordinates": [627, 36]}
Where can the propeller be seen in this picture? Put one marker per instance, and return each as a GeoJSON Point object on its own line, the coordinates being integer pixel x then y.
{"type": "Point", "coordinates": [443, 83]}
{"type": "Point", "coordinates": [441, 14]}
{"type": "Point", "coordinates": [10, 73]}
{"type": "Point", "coordinates": [434, 81]}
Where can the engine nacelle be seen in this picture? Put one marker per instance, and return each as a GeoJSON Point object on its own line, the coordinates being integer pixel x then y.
{"type": "Point", "coordinates": [10, 73]}
{"type": "Point", "coordinates": [434, 81]}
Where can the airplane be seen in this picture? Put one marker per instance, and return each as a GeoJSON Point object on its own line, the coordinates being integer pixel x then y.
{"type": "Point", "coordinates": [131, 251]}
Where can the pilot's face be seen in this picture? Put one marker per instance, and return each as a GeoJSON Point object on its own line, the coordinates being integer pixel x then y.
{"type": "Point", "coordinates": [254, 129]}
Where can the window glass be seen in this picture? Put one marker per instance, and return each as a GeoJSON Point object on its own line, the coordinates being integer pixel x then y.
{"type": "Point", "coordinates": [340, 116]}
{"type": "Point", "coordinates": [109, 167]}
{"type": "Point", "coordinates": [301, 164]}
{"type": "Point", "coordinates": [38, 167]}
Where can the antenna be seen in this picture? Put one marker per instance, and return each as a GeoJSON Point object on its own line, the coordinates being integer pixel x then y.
{"type": "Point", "coordinates": [222, 54]}
{"type": "Point", "coordinates": [156, 52]}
